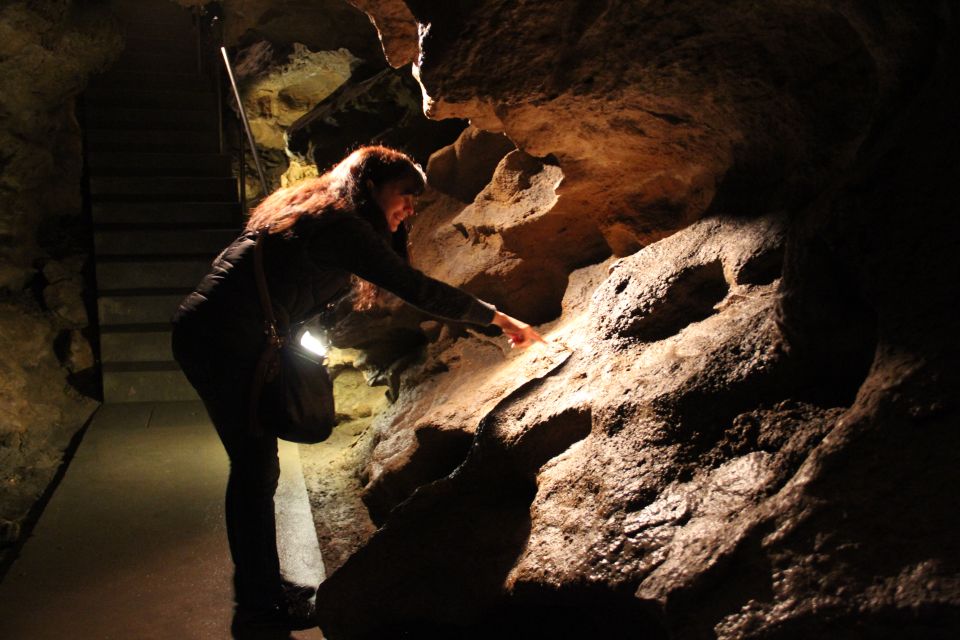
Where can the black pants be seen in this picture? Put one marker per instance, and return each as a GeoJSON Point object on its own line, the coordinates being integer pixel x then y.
{"type": "Point", "coordinates": [223, 384]}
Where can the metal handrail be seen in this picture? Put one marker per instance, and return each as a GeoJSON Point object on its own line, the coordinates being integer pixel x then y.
{"type": "Point", "coordinates": [212, 30]}
{"type": "Point", "coordinates": [244, 120]}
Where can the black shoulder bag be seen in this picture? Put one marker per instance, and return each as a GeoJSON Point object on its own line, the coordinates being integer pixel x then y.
{"type": "Point", "coordinates": [292, 394]}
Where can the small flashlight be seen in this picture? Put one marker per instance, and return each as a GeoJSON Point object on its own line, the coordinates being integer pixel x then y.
{"type": "Point", "coordinates": [313, 344]}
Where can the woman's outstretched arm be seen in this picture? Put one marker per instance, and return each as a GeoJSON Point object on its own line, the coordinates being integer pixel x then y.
{"type": "Point", "coordinates": [351, 244]}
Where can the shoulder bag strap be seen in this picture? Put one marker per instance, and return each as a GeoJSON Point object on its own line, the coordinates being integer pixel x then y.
{"type": "Point", "coordinates": [270, 321]}
{"type": "Point", "coordinates": [274, 341]}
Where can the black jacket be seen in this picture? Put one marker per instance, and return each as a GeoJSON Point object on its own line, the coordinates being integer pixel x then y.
{"type": "Point", "coordinates": [304, 274]}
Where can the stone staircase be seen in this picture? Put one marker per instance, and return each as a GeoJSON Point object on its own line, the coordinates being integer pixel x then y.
{"type": "Point", "coordinates": [162, 196]}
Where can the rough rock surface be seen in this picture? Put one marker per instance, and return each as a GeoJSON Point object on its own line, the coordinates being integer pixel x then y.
{"type": "Point", "coordinates": [534, 407]}
{"type": "Point", "coordinates": [277, 98]}
{"type": "Point", "coordinates": [278, 86]}
{"type": "Point", "coordinates": [41, 412]}
{"type": "Point", "coordinates": [48, 50]}
{"type": "Point", "coordinates": [290, 55]}
{"type": "Point", "coordinates": [508, 246]}
{"type": "Point", "coordinates": [654, 113]}
{"type": "Point", "coordinates": [745, 429]}
{"type": "Point", "coordinates": [396, 27]}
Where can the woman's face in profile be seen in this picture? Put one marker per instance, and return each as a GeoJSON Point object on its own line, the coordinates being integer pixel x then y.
{"type": "Point", "coordinates": [395, 199]}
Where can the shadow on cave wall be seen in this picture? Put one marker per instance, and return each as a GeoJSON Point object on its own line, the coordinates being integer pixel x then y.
{"type": "Point", "coordinates": [546, 614]}
{"type": "Point", "coordinates": [437, 454]}
{"type": "Point", "coordinates": [827, 321]}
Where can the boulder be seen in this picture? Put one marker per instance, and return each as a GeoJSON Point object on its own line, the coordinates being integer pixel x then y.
{"type": "Point", "coordinates": [542, 444]}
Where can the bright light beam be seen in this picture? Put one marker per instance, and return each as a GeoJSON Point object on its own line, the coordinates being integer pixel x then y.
{"type": "Point", "coordinates": [311, 343]}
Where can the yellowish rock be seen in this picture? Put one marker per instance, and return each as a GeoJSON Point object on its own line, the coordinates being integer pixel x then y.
{"type": "Point", "coordinates": [297, 172]}
{"type": "Point", "coordinates": [277, 99]}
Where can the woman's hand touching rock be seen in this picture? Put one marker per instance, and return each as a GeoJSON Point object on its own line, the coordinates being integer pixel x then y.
{"type": "Point", "coordinates": [520, 333]}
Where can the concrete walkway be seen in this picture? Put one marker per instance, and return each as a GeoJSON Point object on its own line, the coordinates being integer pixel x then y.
{"type": "Point", "coordinates": [133, 543]}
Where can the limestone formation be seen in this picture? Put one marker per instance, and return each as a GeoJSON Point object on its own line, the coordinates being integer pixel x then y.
{"type": "Point", "coordinates": [508, 245]}
{"type": "Point", "coordinates": [47, 52]}
{"type": "Point", "coordinates": [276, 98]}
{"type": "Point", "coordinates": [653, 115]}
{"type": "Point", "coordinates": [396, 27]}
{"type": "Point", "coordinates": [277, 90]}
{"type": "Point", "coordinates": [746, 428]}
{"type": "Point", "coordinates": [289, 56]}
{"type": "Point", "coordinates": [735, 224]}
{"type": "Point", "coordinates": [42, 412]}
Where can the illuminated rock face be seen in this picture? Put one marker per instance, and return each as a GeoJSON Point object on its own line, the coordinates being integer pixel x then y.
{"type": "Point", "coordinates": [276, 99]}
{"type": "Point", "coordinates": [507, 246]}
{"type": "Point", "coordinates": [397, 29]}
{"type": "Point", "coordinates": [653, 113]}
{"type": "Point", "coordinates": [743, 430]}
{"type": "Point", "coordinates": [465, 167]}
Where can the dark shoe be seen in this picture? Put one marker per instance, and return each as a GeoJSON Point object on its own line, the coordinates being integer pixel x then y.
{"type": "Point", "coordinates": [298, 605]}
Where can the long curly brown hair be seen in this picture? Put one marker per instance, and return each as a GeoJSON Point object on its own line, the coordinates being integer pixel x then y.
{"type": "Point", "coordinates": [343, 188]}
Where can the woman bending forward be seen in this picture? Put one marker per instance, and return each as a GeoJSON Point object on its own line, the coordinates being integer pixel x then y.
{"type": "Point", "coordinates": [318, 235]}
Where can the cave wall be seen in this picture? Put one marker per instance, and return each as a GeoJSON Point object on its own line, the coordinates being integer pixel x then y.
{"type": "Point", "coordinates": [606, 86]}
{"type": "Point", "coordinates": [48, 50]}
{"type": "Point", "coordinates": [743, 424]}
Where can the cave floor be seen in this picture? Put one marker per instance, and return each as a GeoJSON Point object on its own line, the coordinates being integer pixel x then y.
{"type": "Point", "coordinates": [132, 543]}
